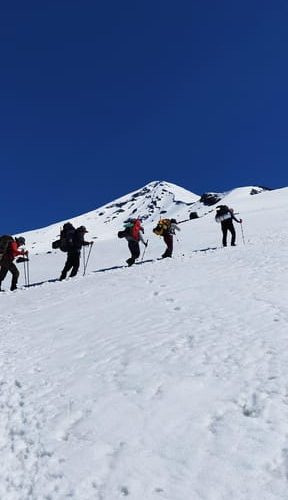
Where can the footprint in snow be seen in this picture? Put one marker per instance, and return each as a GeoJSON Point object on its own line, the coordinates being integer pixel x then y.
{"type": "Point", "coordinates": [124, 491]}
{"type": "Point", "coordinates": [27, 461]}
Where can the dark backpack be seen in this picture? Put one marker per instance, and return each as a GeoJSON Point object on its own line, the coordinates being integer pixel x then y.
{"type": "Point", "coordinates": [125, 232]}
{"type": "Point", "coordinates": [223, 213]}
{"type": "Point", "coordinates": [66, 241]}
{"type": "Point", "coordinates": [67, 237]}
{"type": "Point", "coordinates": [5, 240]}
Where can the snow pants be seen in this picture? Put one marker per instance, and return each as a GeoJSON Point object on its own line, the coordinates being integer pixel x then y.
{"type": "Point", "coordinates": [134, 248]}
{"type": "Point", "coordinates": [72, 262]}
{"type": "Point", "coordinates": [227, 225]}
{"type": "Point", "coordinates": [168, 238]}
{"type": "Point", "coordinates": [8, 265]}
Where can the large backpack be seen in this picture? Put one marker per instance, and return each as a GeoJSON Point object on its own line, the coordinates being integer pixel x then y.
{"type": "Point", "coordinates": [162, 227]}
{"type": "Point", "coordinates": [66, 240]}
{"type": "Point", "coordinates": [5, 240]}
{"type": "Point", "coordinates": [131, 228]}
{"type": "Point", "coordinates": [67, 237]}
{"type": "Point", "coordinates": [223, 213]}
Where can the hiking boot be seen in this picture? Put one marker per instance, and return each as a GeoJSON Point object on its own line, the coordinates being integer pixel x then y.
{"type": "Point", "coordinates": [165, 255]}
{"type": "Point", "coordinates": [130, 261]}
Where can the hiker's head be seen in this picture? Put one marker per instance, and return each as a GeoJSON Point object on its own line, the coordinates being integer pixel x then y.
{"type": "Point", "coordinates": [82, 229]}
{"type": "Point", "coordinates": [20, 241]}
{"type": "Point", "coordinates": [174, 221]}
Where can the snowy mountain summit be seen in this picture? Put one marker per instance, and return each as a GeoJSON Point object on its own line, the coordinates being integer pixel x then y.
{"type": "Point", "coordinates": [158, 199]}
{"type": "Point", "coordinates": [165, 380]}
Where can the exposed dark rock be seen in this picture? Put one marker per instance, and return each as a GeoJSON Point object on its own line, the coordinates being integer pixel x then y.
{"type": "Point", "coordinates": [209, 199]}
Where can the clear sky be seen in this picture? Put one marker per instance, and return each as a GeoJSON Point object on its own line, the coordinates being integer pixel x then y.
{"type": "Point", "coordinates": [100, 98]}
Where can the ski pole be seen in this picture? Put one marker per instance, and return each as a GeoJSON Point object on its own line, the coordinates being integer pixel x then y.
{"type": "Point", "coordinates": [28, 272]}
{"type": "Point", "coordinates": [88, 256]}
{"type": "Point", "coordinates": [243, 239]}
{"type": "Point", "coordinates": [84, 256]}
{"type": "Point", "coordinates": [144, 250]}
{"type": "Point", "coordinates": [25, 273]}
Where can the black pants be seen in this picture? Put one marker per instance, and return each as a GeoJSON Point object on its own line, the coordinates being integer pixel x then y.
{"type": "Point", "coordinates": [168, 238]}
{"type": "Point", "coordinates": [8, 265]}
{"type": "Point", "coordinates": [72, 262]}
{"type": "Point", "coordinates": [134, 248]}
{"type": "Point", "coordinates": [227, 225]}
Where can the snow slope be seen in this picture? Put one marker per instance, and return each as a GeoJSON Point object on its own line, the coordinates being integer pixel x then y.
{"type": "Point", "coordinates": [166, 380]}
{"type": "Point", "coordinates": [158, 198]}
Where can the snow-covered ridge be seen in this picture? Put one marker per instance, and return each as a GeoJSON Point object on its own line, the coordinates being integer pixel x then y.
{"type": "Point", "coordinates": [156, 199]}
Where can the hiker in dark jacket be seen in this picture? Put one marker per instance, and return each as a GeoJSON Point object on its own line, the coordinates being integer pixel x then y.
{"type": "Point", "coordinates": [168, 238]}
{"type": "Point", "coordinates": [7, 263]}
{"type": "Point", "coordinates": [226, 216]}
{"type": "Point", "coordinates": [74, 244]}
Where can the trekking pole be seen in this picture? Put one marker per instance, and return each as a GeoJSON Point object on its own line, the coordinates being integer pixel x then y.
{"type": "Point", "coordinates": [86, 263]}
{"type": "Point", "coordinates": [84, 256]}
{"type": "Point", "coordinates": [144, 250]}
{"type": "Point", "coordinates": [243, 239]}
{"type": "Point", "coordinates": [25, 273]}
{"type": "Point", "coordinates": [28, 271]}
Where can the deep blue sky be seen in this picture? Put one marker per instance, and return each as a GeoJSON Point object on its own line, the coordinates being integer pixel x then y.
{"type": "Point", "coordinates": [100, 98]}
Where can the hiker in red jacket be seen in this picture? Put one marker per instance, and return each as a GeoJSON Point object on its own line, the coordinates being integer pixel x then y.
{"type": "Point", "coordinates": [7, 263]}
{"type": "Point", "coordinates": [133, 239]}
{"type": "Point", "coordinates": [132, 233]}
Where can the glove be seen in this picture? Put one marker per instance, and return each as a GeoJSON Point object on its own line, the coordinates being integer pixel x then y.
{"type": "Point", "coordinates": [25, 252]}
{"type": "Point", "coordinates": [240, 220]}
{"type": "Point", "coordinates": [22, 259]}
{"type": "Point", "coordinates": [146, 244]}
{"type": "Point", "coordinates": [91, 243]}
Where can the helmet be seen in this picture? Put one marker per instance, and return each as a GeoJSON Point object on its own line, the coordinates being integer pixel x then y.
{"type": "Point", "coordinates": [82, 229]}
{"type": "Point", "coordinates": [20, 240]}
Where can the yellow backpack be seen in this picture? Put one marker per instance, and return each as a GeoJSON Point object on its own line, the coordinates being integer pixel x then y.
{"type": "Point", "coordinates": [162, 227]}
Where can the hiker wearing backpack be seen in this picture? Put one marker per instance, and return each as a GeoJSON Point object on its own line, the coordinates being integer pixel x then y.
{"type": "Point", "coordinates": [167, 228]}
{"type": "Point", "coordinates": [9, 249]}
{"type": "Point", "coordinates": [132, 233]}
{"type": "Point", "coordinates": [71, 241]}
{"type": "Point", "coordinates": [225, 216]}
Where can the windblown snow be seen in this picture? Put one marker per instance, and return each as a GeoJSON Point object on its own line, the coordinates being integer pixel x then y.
{"type": "Point", "coordinates": [166, 380]}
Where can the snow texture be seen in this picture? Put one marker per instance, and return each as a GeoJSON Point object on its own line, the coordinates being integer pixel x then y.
{"type": "Point", "coordinates": [166, 380]}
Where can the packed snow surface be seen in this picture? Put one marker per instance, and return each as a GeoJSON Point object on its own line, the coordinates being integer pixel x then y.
{"type": "Point", "coordinates": [166, 380]}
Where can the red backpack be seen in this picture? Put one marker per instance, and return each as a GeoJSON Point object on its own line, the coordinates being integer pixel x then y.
{"type": "Point", "coordinates": [135, 229]}
{"type": "Point", "coordinates": [131, 228]}
{"type": "Point", "coordinates": [5, 241]}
